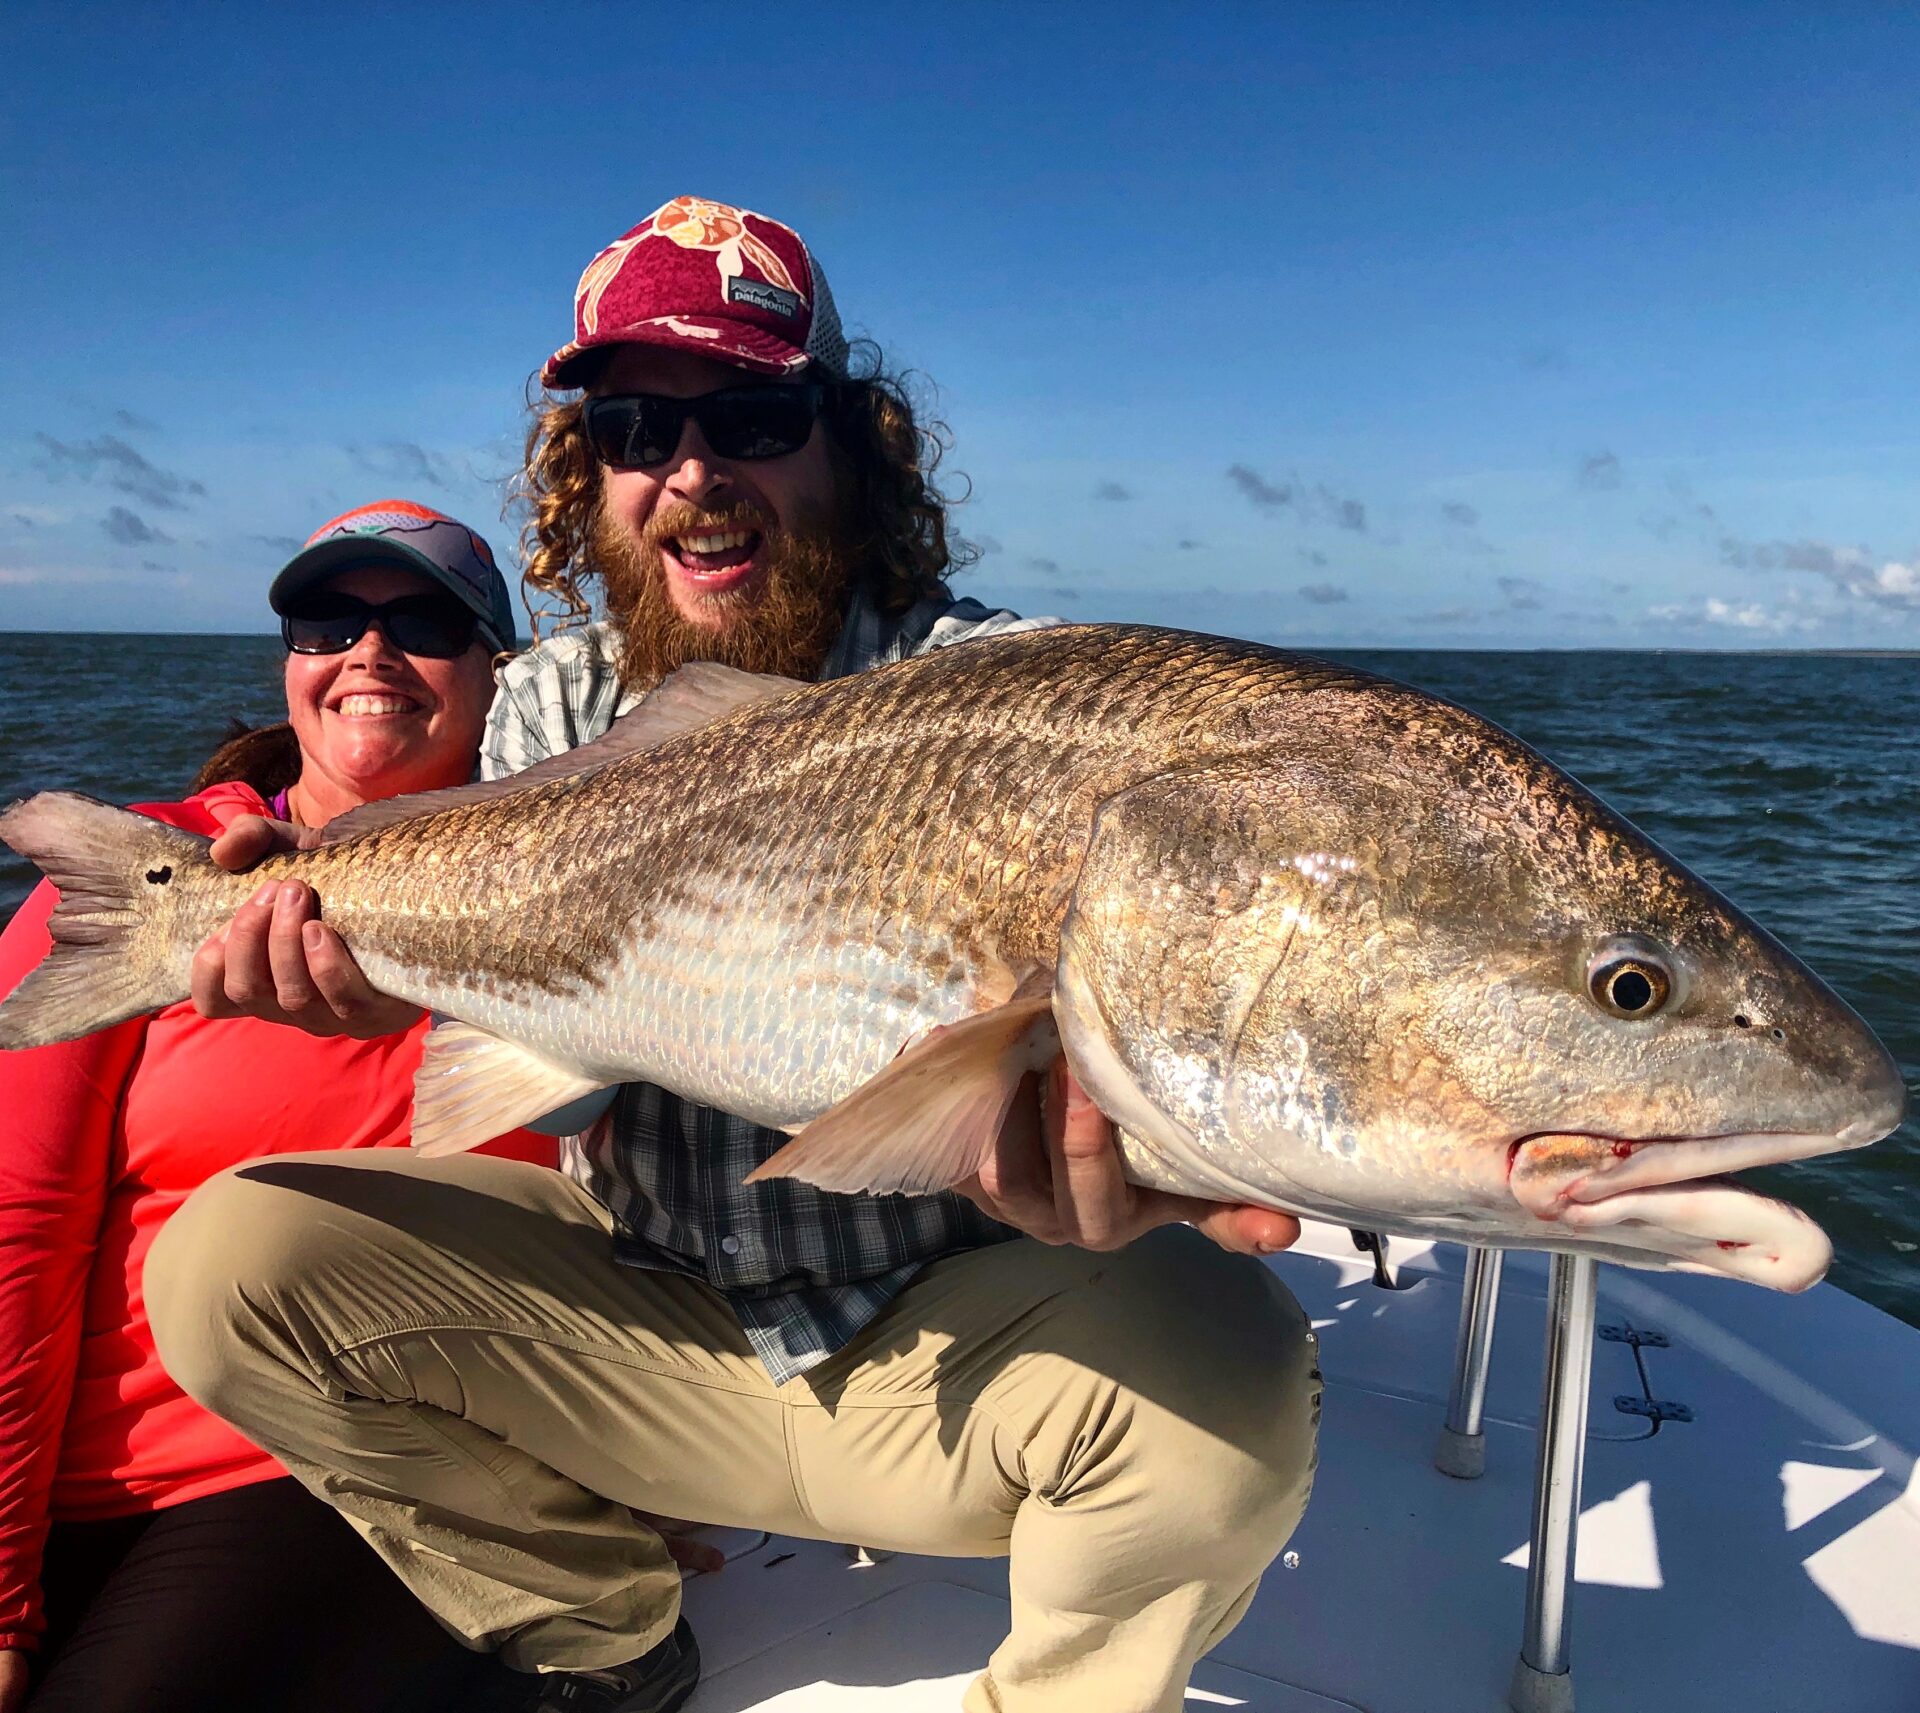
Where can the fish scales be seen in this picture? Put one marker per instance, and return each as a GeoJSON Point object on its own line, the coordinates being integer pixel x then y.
{"type": "Point", "coordinates": [970, 810]}
{"type": "Point", "coordinates": [813, 799]}
{"type": "Point", "coordinates": [1315, 940]}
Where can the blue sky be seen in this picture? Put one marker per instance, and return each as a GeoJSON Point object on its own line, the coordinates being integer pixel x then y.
{"type": "Point", "coordinates": [1330, 324]}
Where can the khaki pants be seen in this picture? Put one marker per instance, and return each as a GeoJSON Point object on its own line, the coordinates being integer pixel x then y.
{"type": "Point", "coordinates": [447, 1351]}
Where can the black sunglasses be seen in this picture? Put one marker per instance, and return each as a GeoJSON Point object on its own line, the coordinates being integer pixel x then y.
{"type": "Point", "coordinates": [434, 626]}
{"type": "Point", "coordinates": [637, 431]}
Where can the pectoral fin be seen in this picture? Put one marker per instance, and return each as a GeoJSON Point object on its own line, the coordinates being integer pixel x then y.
{"type": "Point", "coordinates": [473, 1086]}
{"type": "Point", "coordinates": [929, 1120]}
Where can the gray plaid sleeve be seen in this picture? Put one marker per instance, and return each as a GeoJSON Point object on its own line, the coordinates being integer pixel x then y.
{"type": "Point", "coordinates": [968, 620]}
{"type": "Point", "coordinates": [553, 698]}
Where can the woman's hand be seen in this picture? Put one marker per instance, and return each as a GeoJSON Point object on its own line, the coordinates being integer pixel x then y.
{"type": "Point", "coordinates": [1056, 1175]}
{"type": "Point", "coordinates": [277, 961]}
{"type": "Point", "coordinates": [13, 1679]}
{"type": "Point", "coordinates": [246, 839]}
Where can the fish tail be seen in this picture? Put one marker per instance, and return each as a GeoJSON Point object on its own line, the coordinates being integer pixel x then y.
{"type": "Point", "coordinates": [113, 932]}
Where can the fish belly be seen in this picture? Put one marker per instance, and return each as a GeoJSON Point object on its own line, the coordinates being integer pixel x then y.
{"type": "Point", "coordinates": [768, 1014]}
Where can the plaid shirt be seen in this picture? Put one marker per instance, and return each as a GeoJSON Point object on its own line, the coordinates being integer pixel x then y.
{"type": "Point", "coordinates": [804, 1270]}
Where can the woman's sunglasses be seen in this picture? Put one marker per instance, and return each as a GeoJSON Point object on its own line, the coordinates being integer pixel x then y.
{"type": "Point", "coordinates": [639, 431]}
{"type": "Point", "coordinates": [436, 627]}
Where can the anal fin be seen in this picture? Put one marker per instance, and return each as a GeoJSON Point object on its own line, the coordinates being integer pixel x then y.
{"type": "Point", "coordinates": [472, 1086]}
{"type": "Point", "coordinates": [930, 1119]}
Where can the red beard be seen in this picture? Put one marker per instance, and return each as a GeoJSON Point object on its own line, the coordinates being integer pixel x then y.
{"type": "Point", "coordinates": [784, 623]}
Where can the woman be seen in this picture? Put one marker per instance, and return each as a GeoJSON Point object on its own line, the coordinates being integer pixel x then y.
{"type": "Point", "coordinates": [182, 1568]}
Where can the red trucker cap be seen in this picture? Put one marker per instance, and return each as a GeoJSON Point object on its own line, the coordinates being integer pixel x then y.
{"type": "Point", "coordinates": [705, 276]}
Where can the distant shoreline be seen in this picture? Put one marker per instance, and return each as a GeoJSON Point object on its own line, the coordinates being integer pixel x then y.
{"type": "Point", "coordinates": [1306, 646]}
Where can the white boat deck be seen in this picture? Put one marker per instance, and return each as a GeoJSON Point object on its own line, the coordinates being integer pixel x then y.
{"type": "Point", "coordinates": [1764, 1555]}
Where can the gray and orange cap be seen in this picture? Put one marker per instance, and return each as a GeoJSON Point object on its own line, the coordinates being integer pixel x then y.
{"type": "Point", "coordinates": [408, 537]}
{"type": "Point", "coordinates": [705, 276]}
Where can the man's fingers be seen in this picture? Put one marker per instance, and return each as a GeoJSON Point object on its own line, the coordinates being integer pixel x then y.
{"type": "Point", "coordinates": [293, 986]}
{"type": "Point", "coordinates": [1094, 1201]}
{"type": "Point", "coordinates": [1246, 1230]}
{"type": "Point", "coordinates": [1015, 1180]}
{"type": "Point", "coordinates": [1056, 1174]}
{"type": "Point", "coordinates": [1236, 1226]}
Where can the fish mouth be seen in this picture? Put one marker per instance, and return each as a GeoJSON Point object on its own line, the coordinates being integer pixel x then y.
{"type": "Point", "coordinates": [1668, 1196]}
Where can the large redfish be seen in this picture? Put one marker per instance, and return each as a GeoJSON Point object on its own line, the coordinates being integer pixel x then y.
{"type": "Point", "coordinates": [1313, 939]}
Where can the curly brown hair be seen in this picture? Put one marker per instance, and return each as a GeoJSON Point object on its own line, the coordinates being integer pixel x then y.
{"type": "Point", "coordinates": [902, 549]}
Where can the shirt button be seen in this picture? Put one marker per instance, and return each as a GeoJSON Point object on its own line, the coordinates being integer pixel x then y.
{"type": "Point", "coordinates": [729, 1245]}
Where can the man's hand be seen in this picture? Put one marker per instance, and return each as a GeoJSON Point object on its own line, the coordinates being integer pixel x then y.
{"type": "Point", "coordinates": [1056, 1175]}
{"type": "Point", "coordinates": [277, 961]}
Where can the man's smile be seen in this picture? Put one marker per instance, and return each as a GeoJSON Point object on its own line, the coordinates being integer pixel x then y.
{"type": "Point", "coordinates": [715, 561]}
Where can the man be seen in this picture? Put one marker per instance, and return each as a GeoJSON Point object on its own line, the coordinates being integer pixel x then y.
{"type": "Point", "coordinates": [485, 1367]}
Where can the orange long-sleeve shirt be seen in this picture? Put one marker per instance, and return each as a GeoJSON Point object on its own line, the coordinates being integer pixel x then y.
{"type": "Point", "coordinates": [100, 1140]}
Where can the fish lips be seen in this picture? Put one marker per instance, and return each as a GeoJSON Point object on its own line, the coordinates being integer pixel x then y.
{"type": "Point", "coordinates": [1667, 1197]}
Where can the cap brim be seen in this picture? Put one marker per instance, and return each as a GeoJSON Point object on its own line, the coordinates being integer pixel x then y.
{"type": "Point", "coordinates": [725, 341]}
{"type": "Point", "coordinates": [326, 559]}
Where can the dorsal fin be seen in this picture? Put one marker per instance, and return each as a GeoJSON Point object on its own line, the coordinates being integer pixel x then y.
{"type": "Point", "coordinates": [703, 691]}
{"type": "Point", "coordinates": [695, 695]}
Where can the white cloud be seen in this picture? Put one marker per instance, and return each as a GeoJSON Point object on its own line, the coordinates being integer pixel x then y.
{"type": "Point", "coordinates": [1895, 584]}
{"type": "Point", "coordinates": [1743, 615]}
{"type": "Point", "coordinates": [1892, 583]}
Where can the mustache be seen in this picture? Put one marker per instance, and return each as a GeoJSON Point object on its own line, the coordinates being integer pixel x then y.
{"type": "Point", "coordinates": [785, 628]}
{"type": "Point", "coordinates": [671, 521]}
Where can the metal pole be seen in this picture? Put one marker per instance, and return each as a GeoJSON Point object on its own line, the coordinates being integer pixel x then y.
{"type": "Point", "coordinates": [1462, 1451]}
{"type": "Point", "coordinates": [1543, 1674]}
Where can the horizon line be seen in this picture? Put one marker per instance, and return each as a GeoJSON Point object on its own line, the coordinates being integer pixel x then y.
{"type": "Point", "coordinates": [1462, 647]}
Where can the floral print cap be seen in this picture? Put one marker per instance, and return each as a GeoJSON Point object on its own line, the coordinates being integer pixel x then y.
{"type": "Point", "coordinates": [706, 276]}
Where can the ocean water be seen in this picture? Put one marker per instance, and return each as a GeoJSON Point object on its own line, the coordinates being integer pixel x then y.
{"type": "Point", "coordinates": [1791, 782]}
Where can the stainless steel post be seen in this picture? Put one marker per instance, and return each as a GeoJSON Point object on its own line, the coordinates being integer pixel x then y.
{"type": "Point", "coordinates": [1462, 1451]}
{"type": "Point", "coordinates": [1543, 1674]}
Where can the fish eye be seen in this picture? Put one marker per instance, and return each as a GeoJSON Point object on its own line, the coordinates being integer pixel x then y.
{"type": "Point", "coordinates": [1629, 984]}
